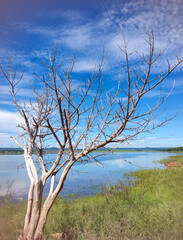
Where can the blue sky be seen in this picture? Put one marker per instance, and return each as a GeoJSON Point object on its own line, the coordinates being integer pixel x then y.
{"type": "Point", "coordinates": [82, 29]}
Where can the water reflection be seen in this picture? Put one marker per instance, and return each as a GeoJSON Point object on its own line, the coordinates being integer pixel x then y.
{"type": "Point", "coordinates": [85, 182]}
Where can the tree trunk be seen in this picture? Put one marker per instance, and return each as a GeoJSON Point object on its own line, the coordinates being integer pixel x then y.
{"type": "Point", "coordinates": [29, 209]}
{"type": "Point", "coordinates": [34, 230]}
{"type": "Point", "coordinates": [43, 218]}
{"type": "Point", "coordinates": [33, 213]}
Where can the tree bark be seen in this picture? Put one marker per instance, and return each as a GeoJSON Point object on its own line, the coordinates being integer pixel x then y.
{"type": "Point", "coordinates": [43, 218]}
{"type": "Point", "coordinates": [29, 209]}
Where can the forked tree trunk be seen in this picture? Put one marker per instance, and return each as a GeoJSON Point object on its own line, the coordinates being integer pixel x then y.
{"type": "Point", "coordinates": [34, 213]}
{"type": "Point", "coordinates": [37, 214]}
{"type": "Point", "coordinates": [34, 230]}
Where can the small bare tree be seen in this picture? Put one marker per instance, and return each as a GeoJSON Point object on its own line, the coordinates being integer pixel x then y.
{"type": "Point", "coordinates": [74, 115]}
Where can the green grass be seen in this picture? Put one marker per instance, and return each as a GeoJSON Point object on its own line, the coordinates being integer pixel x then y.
{"type": "Point", "coordinates": [11, 218]}
{"type": "Point", "coordinates": [178, 158]}
{"type": "Point", "coordinates": [152, 209]}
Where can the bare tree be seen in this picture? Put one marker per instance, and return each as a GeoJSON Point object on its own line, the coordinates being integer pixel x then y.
{"type": "Point", "coordinates": [72, 115]}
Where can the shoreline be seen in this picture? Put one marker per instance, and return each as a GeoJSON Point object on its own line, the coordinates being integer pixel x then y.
{"type": "Point", "coordinates": [18, 152]}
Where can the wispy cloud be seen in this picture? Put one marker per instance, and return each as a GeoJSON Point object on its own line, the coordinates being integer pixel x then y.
{"type": "Point", "coordinates": [85, 65]}
{"type": "Point", "coordinates": [6, 140]}
{"type": "Point", "coordinates": [21, 92]}
{"type": "Point", "coordinates": [163, 17]}
{"type": "Point", "coordinates": [76, 37]}
{"type": "Point", "coordinates": [9, 121]}
{"type": "Point", "coordinates": [68, 16]}
{"type": "Point", "coordinates": [18, 57]}
{"type": "Point", "coordinates": [6, 102]}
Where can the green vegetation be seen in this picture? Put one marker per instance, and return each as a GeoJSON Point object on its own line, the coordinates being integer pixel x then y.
{"type": "Point", "coordinates": [18, 151]}
{"type": "Point", "coordinates": [12, 152]}
{"type": "Point", "coordinates": [177, 158]}
{"type": "Point", "coordinates": [15, 151]}
{"type": "Point", "coordinates": [176, 149]}
{"type": "Point", "coordinates": [11, 218]}
{"type": "Point", "coordinates": [150, 209]}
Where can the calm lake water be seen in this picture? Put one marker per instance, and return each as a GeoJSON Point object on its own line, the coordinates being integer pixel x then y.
{"type": "Point", "coordinates": [85, 182]}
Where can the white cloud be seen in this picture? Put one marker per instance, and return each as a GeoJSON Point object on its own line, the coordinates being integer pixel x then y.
{"type": "Point", "coordinates": [76, 37]}
{"type": "Point", "coordinates": [135, 16]}
{"type": "Point", "coordinates": [84, 66]}
{"type": "Point", "coordinates": [6, 140]}
{"type": "Point", "coordinates": [18, 57]}
{"type": "Point", "coordinates": [164, 17]}
{"type": "Point", "coordinates": [9, 121]}
{"type": "Point", "coordinates": [115, 42]}
{"type": "Point", "coordinates": [20, 92]}
{"type": "Point", "coordinates": [6, 102]}
{"type": "Point", "coordinates": [68, 15]}
{"type": "Point", "coordinates": [36, 29]}
{"type": "Point", "coordinates": [4, 90]}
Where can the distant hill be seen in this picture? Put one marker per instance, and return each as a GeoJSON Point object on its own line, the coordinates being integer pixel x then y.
{"type": "Point", "coordinates": [6, 151]}
{"type": "Point", "coordinates": [55, 150]}
{"type": "Point", "coordinates": [144, 149]}
{"type": "Point", "coordinates": [175, 149]}
{"type": "Point", "coordinates": [9, 149]}
{"type": "Point", "coordinates": [134, 149]}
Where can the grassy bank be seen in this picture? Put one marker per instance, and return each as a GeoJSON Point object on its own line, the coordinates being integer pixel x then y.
{"type": "Point", "coordinates": [11, 218]}
{"type": "Point", "coordinates": [152, 209]}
